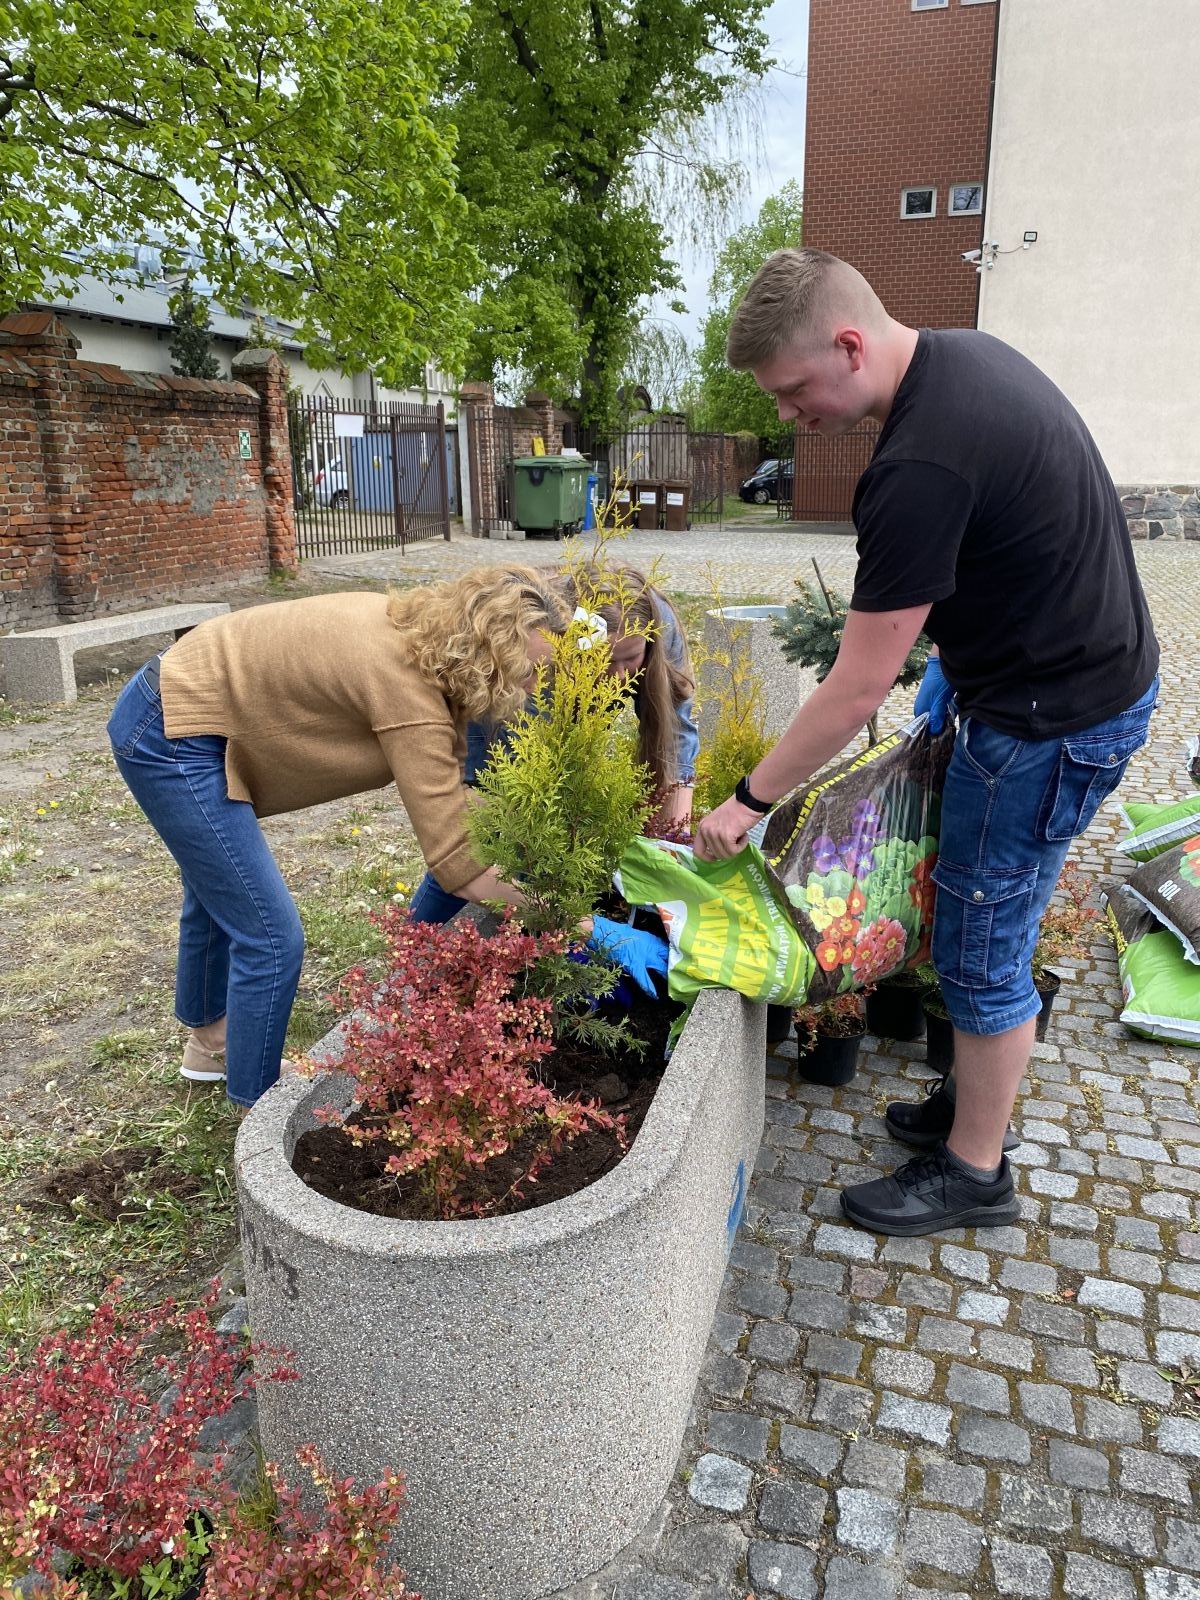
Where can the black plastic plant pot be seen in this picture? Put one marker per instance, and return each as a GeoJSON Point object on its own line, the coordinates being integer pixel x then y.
{"type": "Point", "coordinates": [832, 1062]}
{"type": "Point", "coordinates": [893, 1011]}
{"type": "Point", "coordinates": [939, 1042]}
{"type": "Point", "coordinates": [779, 1023]}
{"type": "Point", "coordinates": [1048, 986]}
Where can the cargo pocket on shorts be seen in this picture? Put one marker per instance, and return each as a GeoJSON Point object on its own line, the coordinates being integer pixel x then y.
{"type": "Point", "coordinates": [981, 923]}
{"type": "Point", "coordinates": [1088, 771]}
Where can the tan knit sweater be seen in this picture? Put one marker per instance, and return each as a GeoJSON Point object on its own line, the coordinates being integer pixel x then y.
{"type": "Point", "coordinates": [317, 703]}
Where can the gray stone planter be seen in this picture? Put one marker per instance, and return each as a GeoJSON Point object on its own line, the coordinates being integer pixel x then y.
{"type": "Point", "coordinates": [531, 1375]}
{"type": "Point", "coordinates": [745, 632]}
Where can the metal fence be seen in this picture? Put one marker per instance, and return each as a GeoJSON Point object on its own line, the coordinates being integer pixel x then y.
{"type": "Point", "coordinates": [785, 480]}
{"type": "Point", "coordinates": [368, 476]}
{"type": "Point", "coordinates": [827, 472]}
{"type": "Point", "coordinates": [668, 457]}
{"type": "Point", "coordinates": [489, 465]}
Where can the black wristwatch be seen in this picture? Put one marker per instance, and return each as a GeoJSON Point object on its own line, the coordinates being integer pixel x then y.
{"type": "Point", "coordinates": [743, 797]}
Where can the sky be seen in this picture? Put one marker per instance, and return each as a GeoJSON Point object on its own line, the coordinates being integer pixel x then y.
{"type": "Point", "coordinates": [780, 154]}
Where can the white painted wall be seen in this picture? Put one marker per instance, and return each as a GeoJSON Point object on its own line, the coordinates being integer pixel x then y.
{"type": "Point", "coordinates": [1096, 146]}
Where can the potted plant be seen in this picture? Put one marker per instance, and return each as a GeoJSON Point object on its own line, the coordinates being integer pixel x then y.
{"type": "Point", "coordinates": [894, 1006]}
{"type": "Point", "coordinates": [1063, 935]}
{"type": "Point", "coordinates": [532, 1370]}
{"type": "Point", "coordinates": [829, 1034]}
{"type": "Point", "coordinates": [939, 1030]}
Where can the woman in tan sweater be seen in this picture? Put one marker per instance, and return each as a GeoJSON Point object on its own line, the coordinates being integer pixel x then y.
{"type": "Point", "coordinates": [278, 707]}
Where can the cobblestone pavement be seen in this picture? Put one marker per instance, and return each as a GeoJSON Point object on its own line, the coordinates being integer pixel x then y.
{"type": "Point", "coordinates": [988, 1413]}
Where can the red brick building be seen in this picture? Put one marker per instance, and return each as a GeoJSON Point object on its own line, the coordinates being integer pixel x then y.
{"type": "Point", "coordinates": [896, 148]}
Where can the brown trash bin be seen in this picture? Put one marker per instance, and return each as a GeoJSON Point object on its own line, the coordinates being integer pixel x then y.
{"type": "Point", "coordinates": [676, 506]}
{"type": "Point", "coordinates": [624, 506]}
{"type": "Point", "coordinates": [647, 501]}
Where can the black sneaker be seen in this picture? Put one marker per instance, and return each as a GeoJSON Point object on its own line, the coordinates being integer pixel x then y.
{"type": "Point", "coordinates": [925, 1123]}
{"type": "Point", "coordinates": [930, 1193]}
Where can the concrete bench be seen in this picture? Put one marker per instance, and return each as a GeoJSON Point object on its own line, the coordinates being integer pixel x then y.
{"type": "Point", "coordinates": [39, 666]}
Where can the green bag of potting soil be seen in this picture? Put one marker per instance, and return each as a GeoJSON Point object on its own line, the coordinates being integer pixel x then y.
{"type": "Point", "coordinates": [1160, 987]}
{"type": "Point", "coordinates": [1156, 827]}
{"type": "Point", "coordinates": [839, 894]}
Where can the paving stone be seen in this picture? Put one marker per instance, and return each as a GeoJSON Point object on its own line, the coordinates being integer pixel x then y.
{"type": "Point", "coordinates": [773, 1341]}
{"type": "Point", "coordinates": [1029, 1503]}
{"type": "Point", "coordinates": [1102, 1420]}
{"type": "Point", "coordinates": [1184, 1276]}
{"type": "Point", "coordinates": [867, 1521]}
{"type": "Point", "coordinates": [953, 1485]}
{"type": "Point", "coordinates": [822, 1312]}
{"type": "Point", "coordinates": [840, 1357]}
{"type": "Point", "coordinates": [1143, 1473]}
{"type": "Point", "coordinates": [931, 1293]}
{"type": "Point", "coordinates": [1007, 1241]}
{"type": "Point", "coordinates": [1183, 1544]}
{"type": "Point", "coordinates": [846, 1579]}
{"type": "Point", "coordinates": [840, 1406]}
{"type": "Point", "coordinates": [817, 1452]}
{"type": "Point", "coordinates": [980, 1390]}
{"type": "Point", "coordinates": [760, 1298]}
{"type": "Point", "coordinates": [702, 1552]}
{"type": "Point", "coordinates": [1134, 1265]}
{"type": "Point", "coordinates": [994, 1440]}
{"type": "Point", "coordinates": [722, 1484]}
{"type": "Point", "coordinates": [1121, 1338]}
{"type": "Point", "coordinates": [868, 1283]}
{"type": "Point", "coordinates": [807, 1167]}
{"type": "Point", "coordinates": [1144, 1382]}
{"type": "Point", "coordinates": [1142, 1149]}
{"type": "Point", "coordinates": [1048, 1406]}
{"type": "Point", "coordinates": [918, 1419]}
{"type": "Point", "coordinates": [783, 1391]}
{"type": "Point", "coordinates": [1105, 1294]}
{"type": "Point", "coordinates": [1179, 1436]}
{"type": "Point", "coordinates": [737, 1433]}
{"type": "Point", "coordinates": [1073, 1218]}
{"type": "Point", "coordinates": [1061, 1185]}
{"type": "Point", "coordinates": [726, 1376]}
{"type": "Point", "coordinates": [1071, 1366]}
{"type": "Point", "coordinates": [1175, 1207]}
{"type": "Point", "coordinates": [954, 1338]}
{"type": "Point", "coordinates": [1021, 1569]}
{"type": "Point", "coordinates": [881, 1322]}
{"type": "Point", "coordinates": [1111, 1197]}
{"type": "Point", "coordinates": [1163, 1584]}
{"type": "Point", "coordinates": [1044, 1133]}
{"type": "Point", "coordinates": [1006, 1349]}
{"type": "Point", "coordinates": [759, 1259]}
{"type": "Point", "coordinates": [942, 1540]}
{"type": "Point", "coordinates": [971, 1264]}
{"type": "Point", "coordinates": [1173, 1349]}
{"type": "Point", "coordinates": [908, 1252]}
{"type": "Point", "coordinates": [1031, 1277]}
{"type": "Point", "coordinates": [1118, 1524]}
{"type": "Point", "coordinates": [727, 1331]}
{"type": "Point", "coordinates": [852, 1243]}
{"type": "Point", "coordinates": [1081, 1254]}
{"type": "Point", "coordinates": [1179, 1311]}
{"type": "Point", "coordinates": [1077, 1467]}
{"type": "Point", "coordinates": [795, 1508]}
{"type": "Point", "coordinates": [817, 1274]}
{"type": "Point", "coordinates": [876, 1466]}
{"type": "Point", "coordinates": [1089, 1579]}
{"type": "Point", "coordinates": [783, 1569]}
{"type": "Point", "coordinates": [976, 1306]}
{"type": "Point", "coordinates": [903, 1369]}
{"type": "Point", "coordinates": [1056, 1322]}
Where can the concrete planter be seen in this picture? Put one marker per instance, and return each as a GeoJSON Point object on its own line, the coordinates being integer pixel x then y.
{"type": "Point", "coordinates": [744, 632]}
{"type": "Point", "coordinates": [530, 1375]}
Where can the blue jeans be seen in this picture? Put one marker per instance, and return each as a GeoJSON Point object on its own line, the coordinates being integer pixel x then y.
{"type": "Point", "coordinates": [240, 941]}
{"type": "Point", "coordinates": [1010, 809]}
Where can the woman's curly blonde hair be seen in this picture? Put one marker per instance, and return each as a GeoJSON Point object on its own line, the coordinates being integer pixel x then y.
{"type": "Point", "coordinates": [469, 635]}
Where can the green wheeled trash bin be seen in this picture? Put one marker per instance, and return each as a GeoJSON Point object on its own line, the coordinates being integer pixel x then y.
{"type": "Point", "coordinates": [549, 493]}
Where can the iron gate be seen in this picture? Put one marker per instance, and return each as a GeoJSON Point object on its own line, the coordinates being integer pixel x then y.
{"type": "Point", "coordinates": [827, 472]}
{"type": "Point", "coordinates": [367, 476]}
{"type": "Point", "coordinates": [666, 456]}
{"type": "Point", "coordinates": [489, 466]}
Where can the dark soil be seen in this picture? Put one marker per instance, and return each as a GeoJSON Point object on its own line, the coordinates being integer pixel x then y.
{"type": "Point", "coordinates": [100, 1186]}
{"type": "Point", "coordinates": [625, 1084]}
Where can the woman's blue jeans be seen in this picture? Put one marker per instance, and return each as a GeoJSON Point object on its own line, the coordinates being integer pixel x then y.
{"type": "Point", "coordinates": [240, 941]}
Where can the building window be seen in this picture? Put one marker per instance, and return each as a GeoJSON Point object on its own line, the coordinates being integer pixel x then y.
{"type": "Point", "coordinates": [978, 2]}
{"type": "Point", "coordinates": [930, 5]}
{"type": "Point", "coordinates": [918, 202]}
{"type": "Point", "coordinates": [966, 199]}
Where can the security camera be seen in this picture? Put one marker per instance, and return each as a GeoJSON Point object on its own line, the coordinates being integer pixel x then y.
{"type": "Point", "coordinates": [971, 255]}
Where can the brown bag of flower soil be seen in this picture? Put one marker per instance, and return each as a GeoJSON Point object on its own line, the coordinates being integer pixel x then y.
{"type": "Point", "coordinates": [1169, 886]}
{"type": "Point", "coordinates": [854, 855]}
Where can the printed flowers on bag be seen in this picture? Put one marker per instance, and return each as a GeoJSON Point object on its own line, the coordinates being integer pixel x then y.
{"type": "Point", "coordinates": [1189, 865]}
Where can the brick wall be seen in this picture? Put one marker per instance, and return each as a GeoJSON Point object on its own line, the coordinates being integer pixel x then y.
{"type": "Point", "coordinates": [898, 98]}
{"type": "Point", "coordinates": [118, 489]}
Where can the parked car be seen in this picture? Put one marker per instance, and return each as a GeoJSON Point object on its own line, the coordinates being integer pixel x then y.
{"type": "Point", "coordinates": [331, 486]}
{"type": "Point", "coordinates": [767, 480]}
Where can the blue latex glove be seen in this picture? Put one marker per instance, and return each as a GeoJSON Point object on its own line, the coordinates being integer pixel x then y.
{"type": "Point", "coordinates": [640, 953]}
{"type": "Point", "coordinates": [934, 695]}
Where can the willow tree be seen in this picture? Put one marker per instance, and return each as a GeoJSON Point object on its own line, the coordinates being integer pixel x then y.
{"type": "Point", "coordinates": [579, 152]}
{"type": "Point", "coordinates": [285, 149]}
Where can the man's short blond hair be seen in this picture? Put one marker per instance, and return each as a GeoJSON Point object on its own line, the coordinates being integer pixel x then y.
{"type": "Point", "coordinates": [795, 296]}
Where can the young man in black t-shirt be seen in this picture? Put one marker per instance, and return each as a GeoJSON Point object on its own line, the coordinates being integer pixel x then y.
{"type": "Point", "coordinates": [987, 518]}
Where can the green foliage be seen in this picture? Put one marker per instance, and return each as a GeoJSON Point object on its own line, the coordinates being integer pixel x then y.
{"type": "Point", "coordinates": [810, 632]}
{"type": "Point", "coordinates": [191, 353]}
{"type": "Point", "coordinates": [569, 113]}
{"type": "Point", "coordinates": [739, 738]}
{"type": "Point", "coordinates": [661, 360]}
{"type": "Point", "coordinates": [728, 401]}
{"type": "Point", "coordinates": [286, 149]}
{"type": "Point", "coordinates": [558, 808]}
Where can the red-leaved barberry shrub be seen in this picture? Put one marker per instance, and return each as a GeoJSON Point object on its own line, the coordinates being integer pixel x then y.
{"type": "Point", "coordinates": [443, 1052]}
{"type": "Point", "coordinates": [336, 1553]}
{"type": "Point", "coordinates": [99, 1435]}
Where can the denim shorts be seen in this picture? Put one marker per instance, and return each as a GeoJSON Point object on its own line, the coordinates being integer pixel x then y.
{"type": "Point", "coordinates": [1010, 809]}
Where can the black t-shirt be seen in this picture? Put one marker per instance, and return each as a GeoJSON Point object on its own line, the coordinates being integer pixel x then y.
{"type": "Point", "coordinates": [986, 495]}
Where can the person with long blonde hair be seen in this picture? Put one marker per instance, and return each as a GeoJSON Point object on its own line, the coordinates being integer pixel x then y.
{"type": "Point", "coordinates": [278, 707]}
{"type": "Point", "coordinates": [648, 648]}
